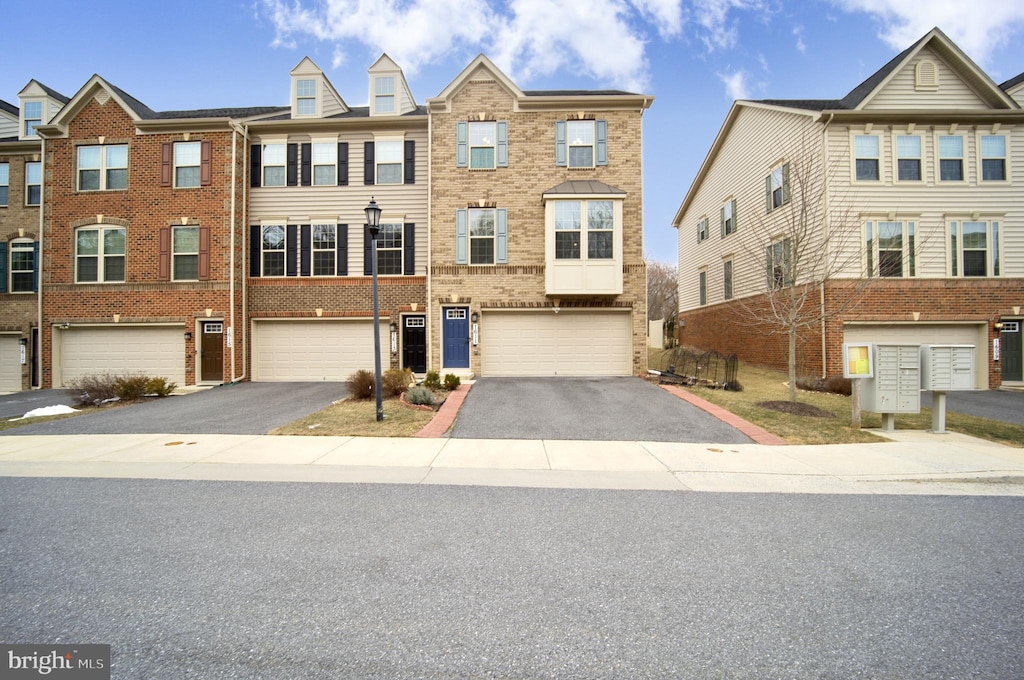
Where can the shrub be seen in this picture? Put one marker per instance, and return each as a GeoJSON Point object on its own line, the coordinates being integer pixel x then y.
{"type": "Point", "coordinates": [433, 380]}
{"type": "Point", "coordinates": [360, 384]}
{"type": "Point", "coordinates": [160, 387]}
{"type": "Point", "coordinates": [394, 382]}
{"type": "Point", "coordinates": [837, 384]}
{"type": "Point", "coordinates": [90, 390]}
{"type": "Point", "coordinates": [130, 387]}
{"type": "Point", "coordinates": [420, 395]}
{"type": "Point", "coordinates": [451, 382]}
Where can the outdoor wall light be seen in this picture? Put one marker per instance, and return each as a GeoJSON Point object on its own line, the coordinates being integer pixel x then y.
{"type": "Point", "coordinates": [23, 342]}
{"type": "Point", "coordinates": [474, 317]}
{"type": "Point", "coordinates": [999, 325]}
{"type": "Point", "coordinates": [188, 335]}
{"type": "Point", "coordinates": [394, 327]}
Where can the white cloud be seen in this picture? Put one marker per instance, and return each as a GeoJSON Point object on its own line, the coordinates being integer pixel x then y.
{"type": "Point", "coordinates": [979, 27]}
{"type": "Point", "coordinates": [801, 46]}
{"type": "Point", "coordinates": [714, 16]}
{"type": "Point", "coordinates": [735, 84]}
{"type": "Point", "coordinates": [667, 14]}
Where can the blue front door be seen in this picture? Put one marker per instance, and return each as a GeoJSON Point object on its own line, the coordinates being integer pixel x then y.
{"type": "Point", "coordinates": [455, 329]}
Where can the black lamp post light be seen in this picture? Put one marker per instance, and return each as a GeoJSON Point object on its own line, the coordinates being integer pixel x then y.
{"type": "Point", "coordinates": [373, 227]}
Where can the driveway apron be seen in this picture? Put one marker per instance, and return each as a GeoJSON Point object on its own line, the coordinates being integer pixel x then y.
{"type": "Point", "coordinates": [603, 409]}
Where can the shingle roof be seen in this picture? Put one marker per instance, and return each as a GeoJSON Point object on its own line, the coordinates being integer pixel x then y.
{"type": "Point", "coordinates": [1016, 80]}
{"type": "Point", "coordinates": [577, 93]}
{"type": "Point", "coordinates": [9, 108]}
{"type": "Point", "coordinates": [353, 112]}
{"type": "Point", "coordinates": [810, 104]}
{"type": "Point", "coordinates": [584, 186]}
{"type": "Point", "coordinates": [50, 92]}
{"type": "Point", "coordinates": [221, 113]}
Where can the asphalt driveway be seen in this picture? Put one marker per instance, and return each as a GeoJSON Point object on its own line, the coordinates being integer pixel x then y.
{"type": "Point", "coordinates": [603, 409]}
{"type": "Point", "coordinates": [1001, 405]}
{"type": "Point", "coordinates": [243, 408]}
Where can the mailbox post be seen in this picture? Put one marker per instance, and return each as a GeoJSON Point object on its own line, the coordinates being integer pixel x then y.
{"type": "Point", "coordinates": [945, 368]}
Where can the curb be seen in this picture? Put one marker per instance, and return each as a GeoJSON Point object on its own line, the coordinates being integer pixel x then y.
{"type": "Point", "coordinates": [445, 417]}
{"type": "Point", "coordinates": [758, 434]}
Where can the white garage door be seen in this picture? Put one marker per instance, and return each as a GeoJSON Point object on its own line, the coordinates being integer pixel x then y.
{"type": "Point", "coordinates": [154, 350]}
{"type": "Point", "coordinates": [929, 334]}
{"type": "Point", "coordinates": [314, 350]}
{"type": "Point", "coordinates": [569, 343]}
{"type": "Point", "coordinates": [10, 364]}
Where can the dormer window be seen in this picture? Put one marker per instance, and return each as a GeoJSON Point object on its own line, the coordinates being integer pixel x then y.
{"type": "Point", "coordinates": [305, 95]}
{"type": "Point", "coordinates": [384, 94]}
{"type": "Point", "coordinates": [33, 114]}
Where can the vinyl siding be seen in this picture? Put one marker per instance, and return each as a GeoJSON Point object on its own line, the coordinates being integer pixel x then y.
{"type": "Point", "coordinates": [739, 172]}
{"type": "Point", "coordinates": [331, 105]}
{"type": "Point", "coordinates": [407, 202]}
{"type": "Point", "coordinates": [8, 127]}
{"type": "Point", "coordinates": [900, 92]}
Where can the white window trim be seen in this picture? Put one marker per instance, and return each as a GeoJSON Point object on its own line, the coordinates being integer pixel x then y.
{"type": "Point", "coordinates": [20, 245]}
{"type": "Point", "coordinates": [939, 158]}
{"type": "Point", "coordinates": [400, 140]}
{"type": "Point", "coordinates": [100, 254]}
{"type": "Point", "coordinates": [283, 250]}
{"type": "Point", "coordinates": [102, 169]}
{"type": "Point", "coordinates": [990, 242]}
{"type": "Point", "coordinates": [264, 143]}
{"type": "Point", "coordinates": [175, 166]}
{"type": "Point", "coordinates": [569, 145]}
{"type": "Point", "coordinates": [28, 185]}
{"type": "Point", "coordinates": [493, 146]}
{"type": "Point", "coordinates": [7, 184]}
{"type": "Point", "coordinates": [23, 120]}
{"type": "Point", "coordinates": [727, 206]}
{"type": "Point", "coordinates": [585, 229]}
{"type": "Point", "coordinates": [332, 142]}
{"type": "Point", "coordinates": [702, 229]}
{"type": "Point", "coordinates": [175, 254]}
{"type": "Point", "coordinates": [909, 254]}
{"type": "Point", "coordinates": [313, 250]}
{"type": "Point", "coordinates": [1006, 157]}
{"type": "Point", "coordinates": [317, 108]}
{"type": "Point", "coordinates": [896, 156]}
{"type": "Point", "coordinates": [400, 249]}
{"type": "Point", "coordinates": [394, 95]}
{"type": "Point", "coordinates": [853, 157]}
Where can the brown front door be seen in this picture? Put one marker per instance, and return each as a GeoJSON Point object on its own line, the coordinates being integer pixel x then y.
{"type": "Point", "coordinates": [211, 365]}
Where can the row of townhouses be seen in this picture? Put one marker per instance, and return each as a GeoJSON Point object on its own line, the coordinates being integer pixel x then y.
{"type": "Point", "coordinates": [218, 245]}
{"type": "Point", "coordinates": [903, 202]}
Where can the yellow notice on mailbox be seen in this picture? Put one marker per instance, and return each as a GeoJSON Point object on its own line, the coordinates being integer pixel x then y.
{"type": "Point", "coordinates": [857, 360]}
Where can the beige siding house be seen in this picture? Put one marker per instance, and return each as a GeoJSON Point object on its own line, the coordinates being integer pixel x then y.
{"type": "Point", "coordinates": [312, 172]}
{"type": "Point", "coordinates": [536, 229]}
{"type": "Point", "coordinates": [911, 189]}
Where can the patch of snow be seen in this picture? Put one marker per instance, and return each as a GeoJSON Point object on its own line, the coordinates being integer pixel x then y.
{"type": "Point", "coordinates": [46, 411]}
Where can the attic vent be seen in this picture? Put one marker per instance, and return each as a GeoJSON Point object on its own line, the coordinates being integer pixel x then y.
{"type": "Point", "coordinates": [926, 76]}
{"type": "Point", "coordinates": [102, 98]}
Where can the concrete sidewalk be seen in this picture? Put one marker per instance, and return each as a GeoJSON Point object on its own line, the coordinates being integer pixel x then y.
{"type": "Point", "coordinates": [914, 463]}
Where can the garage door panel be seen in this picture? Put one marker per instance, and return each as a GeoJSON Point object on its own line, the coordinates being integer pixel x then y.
{"type": "Point", "coordinates": [547, 344]}
{"type": "Point", "coordinates": [10, 364]}
{"type": "Point", "coordinates": [286, 351]}
{"type": "Point", "coordinates": [158, 351]}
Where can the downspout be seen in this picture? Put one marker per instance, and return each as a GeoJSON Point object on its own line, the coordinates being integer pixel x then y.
{"type": "Point", "coordinates": [231, 256]}
{"type": "Point", "coordinates": [243, 130]}
{"type": "Point", "coordinates": [825, 175]}
{"type": "Point", "coordinates": [430, 230]}
{"type": "Point", "coordinates": [37, 349]}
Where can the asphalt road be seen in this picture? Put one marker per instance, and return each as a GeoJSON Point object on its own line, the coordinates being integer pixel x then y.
{"type": "Point", "coordinates": [243, 580]}
{"type": "Point", "coordinates": [1001, 405]}
{"type": "Point", "coordinates": [602, 409]}
{"type": "Point", "coordinates": [243, 408]}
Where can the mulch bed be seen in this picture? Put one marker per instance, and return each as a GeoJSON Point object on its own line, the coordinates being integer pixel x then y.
{"type": "Point", "coordinates": [796, 408]}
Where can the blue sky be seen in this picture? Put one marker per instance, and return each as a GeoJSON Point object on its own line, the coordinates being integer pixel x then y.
{"type": "Point", "coordinates": [695, 57]}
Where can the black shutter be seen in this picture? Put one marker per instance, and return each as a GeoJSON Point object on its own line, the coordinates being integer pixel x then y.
{"type": "Point", "coordinates": [409, 246]}
{"type": "Point", "coordinates": [367, 252]}
{"type": "Point", "coordinates": [342, 163]}
{"type": "Point", "coordinates": [255, 167]}
{"type": "Point", "coordinates": [306, 170]}
{"type": "Point", "coordinates": [254, 250]}
{"type": "Point", "coordinates": [290, 250]}
{"type": "Point", "coordinates": [342, 262]}
{"type": "Point", "coordinates": [368, 163]}
{"type": "Point", "coordinates": [305, 250]}
{"type": "Point", "coordinates": [410, 162]}
{"type": "Point", "coordinates": [293, 165]}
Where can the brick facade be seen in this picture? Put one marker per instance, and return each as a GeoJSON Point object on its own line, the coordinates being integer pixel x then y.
{"type": "Point", "coordinates": [144, 208]}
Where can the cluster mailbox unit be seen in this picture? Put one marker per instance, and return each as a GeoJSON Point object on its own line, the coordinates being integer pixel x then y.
{"type": "Point", "coordinates": [945, 368]}
{"type": "Point", "coordinates": [895, 386]}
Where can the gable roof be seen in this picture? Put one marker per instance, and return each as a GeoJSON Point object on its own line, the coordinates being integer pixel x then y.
{"type": "Point", "coordinates": [308, 67]}
{"type": "Point", "coordinates": [8, 108]}
{"type": "Point", "coordinates": [481, 61]}
{"type": "Point", "coordinates": [48, 91]}
{"type": "Point", "coordinates": [1012, 82]}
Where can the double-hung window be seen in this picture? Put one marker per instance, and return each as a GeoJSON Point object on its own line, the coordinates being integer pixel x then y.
{"type": "Point", "coordinates": [99, 254]}
{"type": "Point", "coordinates": [483, 138]}
{"type": "Point", "coordinates": [33, 115]}
{"type": "Point", "coordinates": [187, 162]}
{"type": "Point", "coordinates": [185, 253]}
{"type": "Point", "coordinates": [23, 266]}
{"type": "Point", "coordinates": [5, 183]}
{"type": "Point", "coordinates": [993, 158]}
{"type": "Point", "coordinates": [728, 218]}
{"type": "Point", "coordinates": [589, 222]}
{"type": "Point", "coordinates": [325, 163]}
{"type": "Point", "coordinates": [951, 158]}
{"type": "Point", "coordinates": [274, 165]}
{"type": "Point", "coordinates": [324, 246]}
{"type": "Point", "coordinates": [974, 248]}
{"type": "Point", "coordinates": [481, 145]}
{"type": "Point", "coordinates": [776, 187]}
{"type": "Point", "coordinates": [727, 279]}
{"type": "Point", "coordinates": [867, 152]}
{"type": "Point", "coordinates": [481, 235]}
{"type": "Point", "coordinates": [702, 230]}
{"type": "Point", "coordinates": [103, 168]}
{"type": "Point", "coordinates": [389, 161]}
{"type": "Point", "coordinates": [581, 143]}
{"type": "Point", "coordinates": [702, 284]}
{"type": "Point", "coordinates": [305, 97]}
{"type": "Point", "coordinates": [389, 249]}
{"type": "Point", "coordinates": [779, 264]}
{"type": "Point", "coordinates": [384, 94]}
{"type": "Point", "coordinates": [908, 158]}
{"type": "Point", "coordinates": [33, 183]}
{"type": "Point", "coordinates": [272, 249]}
{"type": "Point", "coordinates": [890, 248]}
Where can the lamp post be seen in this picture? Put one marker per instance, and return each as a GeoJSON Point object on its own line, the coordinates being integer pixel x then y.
{"type": "Point", "coordinates": [373, 226]}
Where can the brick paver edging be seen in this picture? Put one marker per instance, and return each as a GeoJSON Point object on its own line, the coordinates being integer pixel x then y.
{"type": "Point", "coordinates": [758, 434]}
{"type": "Point", "coordinates": [445, 416]}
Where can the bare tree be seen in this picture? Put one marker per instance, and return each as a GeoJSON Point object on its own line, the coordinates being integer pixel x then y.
{"type": "Point", "coordinates": [662, 291]}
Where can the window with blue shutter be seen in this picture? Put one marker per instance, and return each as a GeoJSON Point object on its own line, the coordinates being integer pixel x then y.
{"type": "Point", "coordinates": [461, 236]}
{"type": "Point", "coordinates": [561, 153]}
{"type": "Point", "coordinates": [601, 151]}
{"type": "Point", "coordinates": [502, 144]}
{"type": "Point", "coordinates": [462, 145]}
{"type": "Point", "coordinates": [501, 237]}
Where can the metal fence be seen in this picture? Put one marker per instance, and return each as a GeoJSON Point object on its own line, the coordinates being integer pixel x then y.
{"type": "Point", "coordinates": [710, 369]}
